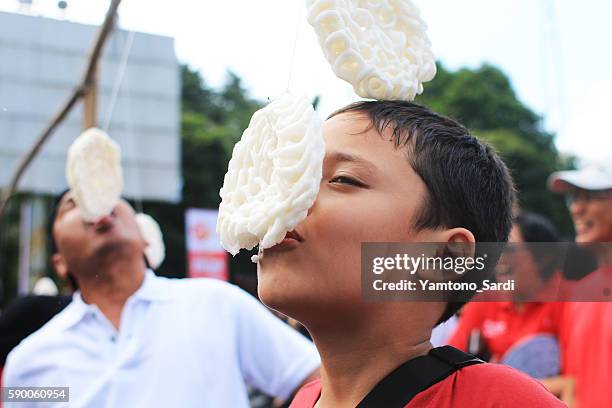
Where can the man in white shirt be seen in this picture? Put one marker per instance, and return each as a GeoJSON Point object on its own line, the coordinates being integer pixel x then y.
{"type": "Point", "coordinates": [132, 339]}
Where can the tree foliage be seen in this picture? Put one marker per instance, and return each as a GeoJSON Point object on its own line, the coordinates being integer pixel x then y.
{"type": "Point", "coordinates": [483, 99]}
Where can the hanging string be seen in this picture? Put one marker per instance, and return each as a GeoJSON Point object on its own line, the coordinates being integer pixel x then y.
{"type": "Point", "coordinates": [295, 42]}
{"type": "Point", "coordinates": [131, 142]}
{"type": "Point", "coordinates": [118, 80]}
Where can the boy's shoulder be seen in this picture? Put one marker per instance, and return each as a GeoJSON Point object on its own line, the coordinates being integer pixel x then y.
{"type": "Point", "coordinates": [483, 385]}
{"type": "Point", "coordinates": [307, 396]}
{"type": "Point", "coordinates": [486, 385]}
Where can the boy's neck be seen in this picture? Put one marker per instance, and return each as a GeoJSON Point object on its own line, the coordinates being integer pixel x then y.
{"type": "Point", "coordinates": [355, 359]}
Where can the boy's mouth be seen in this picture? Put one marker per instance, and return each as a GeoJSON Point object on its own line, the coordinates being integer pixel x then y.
{"type": "Point", "coordinates": [292, 239]}
{"type": "Point", "coordinates": [294, 235]}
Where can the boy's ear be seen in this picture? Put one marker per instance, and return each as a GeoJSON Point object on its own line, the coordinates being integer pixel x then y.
{"type": "Point", "coordinates": [459, 235]}
{"type": "Point", "coordinates": [460, 242]}
{"type": "Point", "coordinates": [454, 243]}
{"type": "Point", "coordinates": [60, 265]}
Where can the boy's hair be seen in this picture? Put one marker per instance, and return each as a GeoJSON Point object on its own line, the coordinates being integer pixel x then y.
{"type": "Point", "coordinates": [468, 185]}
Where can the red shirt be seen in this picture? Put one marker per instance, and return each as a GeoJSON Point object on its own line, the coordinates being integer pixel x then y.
{"type": "Point", "coordinates": [479, 385]}
{"type": "Point", "coordinates": [503, 324]}
{"type": "Point", "coordinates": [586, 351]}
{"type": "Point", "coordinates": [586, 340]}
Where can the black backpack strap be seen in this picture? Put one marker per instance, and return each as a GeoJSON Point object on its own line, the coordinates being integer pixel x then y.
{"type": "Point", "coordinates": [416, 375]}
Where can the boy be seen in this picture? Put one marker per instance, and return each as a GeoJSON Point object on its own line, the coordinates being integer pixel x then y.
{"type": "Point", "coordinates": [393, 172]}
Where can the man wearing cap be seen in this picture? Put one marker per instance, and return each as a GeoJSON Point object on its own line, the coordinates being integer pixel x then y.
{"type": "Point", "coordinates": [586, 328]}
{"type": "Point", "coordinates": [132, 339]}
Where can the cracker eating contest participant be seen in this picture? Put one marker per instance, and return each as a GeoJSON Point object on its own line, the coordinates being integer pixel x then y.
{"type": "Point", "coordinates": [129, 336]}
{"type": "Point", "coordinates": [393, 171]}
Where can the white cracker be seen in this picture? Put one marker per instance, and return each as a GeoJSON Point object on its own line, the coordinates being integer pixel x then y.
{"type": "Point", "coordinates": [152, 234]}
{"type": "Point", "coordinates": [93, 171]}
{"type": "Point", "coordinates": [379, 46]}
{"type": "Point", "coordinates": [273, 176]}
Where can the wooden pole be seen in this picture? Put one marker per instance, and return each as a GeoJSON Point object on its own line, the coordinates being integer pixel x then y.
{"type": "Point", "coordinates": [90, 100]}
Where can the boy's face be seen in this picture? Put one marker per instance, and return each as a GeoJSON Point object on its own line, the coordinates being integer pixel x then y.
{"type": "Point", "coordinates": [369, 193]}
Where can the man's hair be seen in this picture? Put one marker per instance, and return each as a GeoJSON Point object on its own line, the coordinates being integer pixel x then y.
{"type": "Point", "coordinates": [536, 228]}
{"type": "Point", "coordinates": [51, 238]}
{"type": "Point", "coordinates": [468, 185]}
{"type": "Point", "coordinates": [51, 220]}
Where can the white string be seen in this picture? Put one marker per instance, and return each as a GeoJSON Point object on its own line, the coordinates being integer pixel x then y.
{"type": "Point", "coordinates": [132, 149]}
{"type": "Point", "coordinates": [118, 80]}
{"type": "Point", "coordinates": [109, 114]}
{"type": "Point", "coordinates": [295, 41]}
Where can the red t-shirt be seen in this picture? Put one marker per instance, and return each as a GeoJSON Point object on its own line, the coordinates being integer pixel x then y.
{"type": "Point", "coordinates": [478, 385]}
{"type": "Point", "coordinates": [503, 324]}
{"type": "Point", "coordinates": [586, 351]}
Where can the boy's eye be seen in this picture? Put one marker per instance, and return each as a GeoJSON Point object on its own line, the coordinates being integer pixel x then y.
{"type": "Point", "coordinates": [346, 180]}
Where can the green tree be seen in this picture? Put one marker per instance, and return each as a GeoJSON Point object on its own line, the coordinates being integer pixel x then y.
{"type": "Point", "coordinates": [483, 99]}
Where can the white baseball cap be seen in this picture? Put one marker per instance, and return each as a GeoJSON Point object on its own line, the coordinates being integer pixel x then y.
{"type": "Point", "coordinates": [597, 176]}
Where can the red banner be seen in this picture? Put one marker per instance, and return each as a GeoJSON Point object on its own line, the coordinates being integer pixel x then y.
{"type": "Point", "coordinates": [205, 255]}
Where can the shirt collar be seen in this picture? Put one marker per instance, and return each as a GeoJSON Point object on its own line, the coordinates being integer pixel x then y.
{"type": "Point", "coordinates": [151, 290]}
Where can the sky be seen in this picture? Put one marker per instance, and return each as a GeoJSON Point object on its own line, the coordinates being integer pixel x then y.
{"type": "Point", "coordinates": [556, 52]}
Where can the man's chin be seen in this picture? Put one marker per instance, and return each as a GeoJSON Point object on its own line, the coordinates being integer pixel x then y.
{"type": "Point", "coordinates": [115, 248]}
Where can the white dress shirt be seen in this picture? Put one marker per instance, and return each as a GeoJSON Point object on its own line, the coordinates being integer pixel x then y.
{"type": "Point", "coordinates": [181, 343]}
